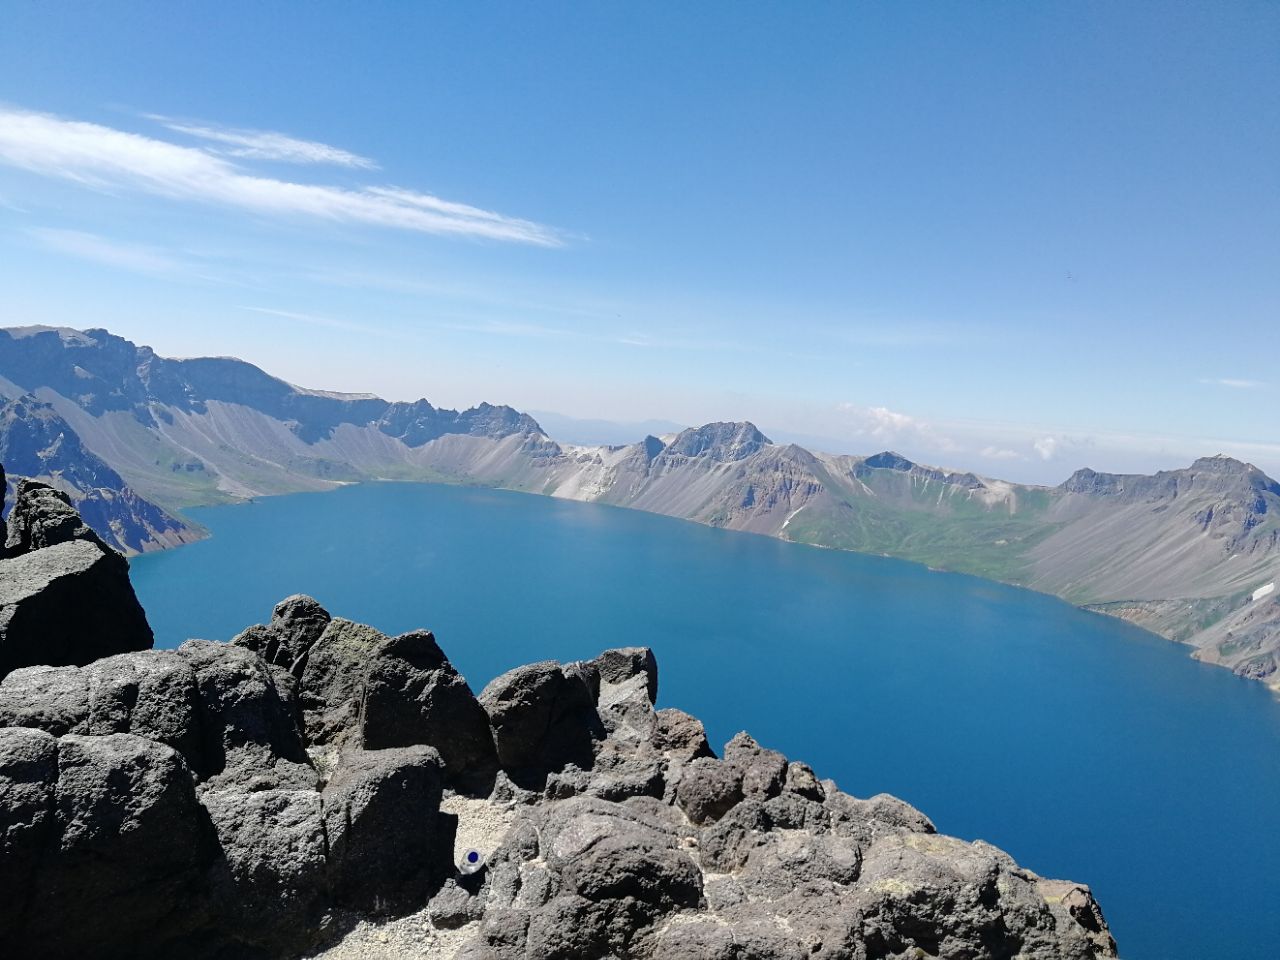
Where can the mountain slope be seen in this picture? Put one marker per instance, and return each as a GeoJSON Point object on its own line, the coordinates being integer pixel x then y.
{"type": "Point", "coordinates": [37, 443]}
{"type": "Point", "coordinates": [209, 430]}
{"type": "Point", "coordinates": [1183, 553]}
{"type": "Point", "coordinates": [1189, 555]}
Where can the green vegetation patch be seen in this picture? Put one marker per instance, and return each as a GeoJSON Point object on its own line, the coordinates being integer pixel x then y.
{"type": "Point", "coordinates": [989, 543]}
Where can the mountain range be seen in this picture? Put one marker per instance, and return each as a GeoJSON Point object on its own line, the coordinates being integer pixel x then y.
{"type": "Point", "coordinates": [134, 438]}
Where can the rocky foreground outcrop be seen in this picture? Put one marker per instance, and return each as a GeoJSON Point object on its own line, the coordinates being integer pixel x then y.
{"type": "Point", "coordinates": [65, 596]}
{"type": "Point", "coordinates": [260, 798]}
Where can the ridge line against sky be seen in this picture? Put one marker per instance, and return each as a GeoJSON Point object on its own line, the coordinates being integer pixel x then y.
{"type": "Point", "coordinates": [1016, 240]}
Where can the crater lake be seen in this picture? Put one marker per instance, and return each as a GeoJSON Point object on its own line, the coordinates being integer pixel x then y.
{"type": "Point", "coordinates": [1086, 748]}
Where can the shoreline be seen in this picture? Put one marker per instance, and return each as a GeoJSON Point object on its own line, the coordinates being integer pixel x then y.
{"type": "Point", "coordinates": [1271, 684]}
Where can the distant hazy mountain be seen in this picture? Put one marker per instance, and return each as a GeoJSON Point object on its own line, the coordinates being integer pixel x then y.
{"type": "Point", "coordinates": [213, 429]}
{"type": "Point", "coordinates": [600, 433]}
{"type": "Point", "coordinates": [1189, 554]}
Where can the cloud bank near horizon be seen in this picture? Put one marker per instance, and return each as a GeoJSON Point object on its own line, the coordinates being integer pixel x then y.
{"type": "Point", "coordinates": [1025, 452]}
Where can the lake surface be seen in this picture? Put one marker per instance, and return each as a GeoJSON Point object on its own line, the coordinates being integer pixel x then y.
{"type": "Point", "coordinates": [1084, 747]}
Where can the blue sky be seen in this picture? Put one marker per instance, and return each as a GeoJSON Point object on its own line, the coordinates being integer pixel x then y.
{"type": "Point", "coordinates": [1017, 238]}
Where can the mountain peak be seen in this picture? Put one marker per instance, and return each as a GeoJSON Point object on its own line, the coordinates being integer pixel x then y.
{"type": "Point", "coordinates": [1221, 463]}
{"type": "Point", "coordinates": [723, 441]}
{"type": "Point", "coordinates": [103, 373]}
{"type": "Point", "coordinates": [888, 460]}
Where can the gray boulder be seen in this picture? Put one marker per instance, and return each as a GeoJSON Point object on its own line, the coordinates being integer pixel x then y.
{"type": "Point", "coordinates": [764, 772]}
{"type": "Point", "coordinates": [802, 781]}
{"type": "Point", "coordinates": [413, 695]}
{"type": "Point", "coordinates": [271, 879]}
{"type": "Point", "coordinates": [380, 811]}
{"type": "Point", "coordinates": [128, 854]}
{"type": "Point", "coordinates": [622, 771]}
{"type": "Point", "coordinates": [585, 877]}
{"type": "Point", "coordinates": [28, 828]}
{"type": "Point", "coordinates": [621, 664]}
{"type": "Point", "coordinates": [52, 699]}
{"type": "Point", "coordinates": [949, 898]}
{"type": "Point", "coordinates": [542, 720]}
{"type": "Point", "coordinates": [248, 736]}
{"type": "Point", "coordinates": [151, 693]}
{"type": "Point", "coordinates": [627, 691]}
{"type": "Point", "coordinates": [333, 681]}
{"type": "Point", "coordinates": [68, 603]}
{"type": "Point", "coordinates": [42, 517]}
{"type": "Point", "coordinates": [708, 789]}
{"type": "Point", "coordinates": [678, 734]}
{"type": "Point", "coordinates": [454, 906]}
{"type": "Point", "coordinates": [297, 622]}
{"type": "Point", "coordinates": [624, 867]}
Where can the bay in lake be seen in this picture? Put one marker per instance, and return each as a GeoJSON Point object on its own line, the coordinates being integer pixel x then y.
{"type": "Point", "coordinates": [1086, 748]}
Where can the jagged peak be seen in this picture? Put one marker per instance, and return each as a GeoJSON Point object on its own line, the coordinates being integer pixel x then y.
{"type": "Point", "coordinates": [65, 334]}
{"type": "Point", "coordinates": [1224, 474]}
{"type": "Point", "coordinates": [1222, 463]}
{"type": "Point", "coordinates": [725, 441]}
{"type": "Point", "coordinates": [652, 446]}
{"type": "Point", "coordinates": [888, 460]}
{"type": "Point", "coordinates": [335, 394]}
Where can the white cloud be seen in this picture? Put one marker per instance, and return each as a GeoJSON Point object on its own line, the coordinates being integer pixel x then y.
{"type": "Point", "coordinates": [113, 253]}
{"type": "Point", "coordinates": [105, 158]}
{"type": "Point", "coordinates": [267, 145]}
{"type": "Point", "coordinates": [888, 427]}
{"type": "Point", "coordinates": [884, 422]}
{"type": "Point", "coordinates": [1046, 447]}
{"type": "Point", "coordinates": [1233, 383]}
{"type": "Point", "coordinates": [878, 422]}
{"type": "Point", "coordinates": [1000, 453]}
{"type": "Point", "coordinates": [313, 319]}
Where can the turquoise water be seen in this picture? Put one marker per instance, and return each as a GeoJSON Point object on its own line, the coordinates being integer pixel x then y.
{"type": "Point", "coordinates": [1084, 747]}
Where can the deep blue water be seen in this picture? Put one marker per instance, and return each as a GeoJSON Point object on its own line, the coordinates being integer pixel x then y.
{"type": "Point", "coordinates": [1086, 748]}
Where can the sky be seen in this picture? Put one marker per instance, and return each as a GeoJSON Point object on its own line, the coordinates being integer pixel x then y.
{"type": "Point", "coordinates": [1006, 237]}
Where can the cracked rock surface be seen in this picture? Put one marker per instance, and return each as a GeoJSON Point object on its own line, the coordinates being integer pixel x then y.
{"type": "Point", "coordinates": [313, 787]}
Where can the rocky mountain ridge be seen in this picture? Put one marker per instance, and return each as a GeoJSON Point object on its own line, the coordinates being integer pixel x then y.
{"type": "Point", "coordinates": [217, 429]}
{"type": "Point", "coordinates": [38, 444]}
{"type": "Point", "coordinates": [316, 788]}
{"type": "Point", "coordinates": [1183, 553]}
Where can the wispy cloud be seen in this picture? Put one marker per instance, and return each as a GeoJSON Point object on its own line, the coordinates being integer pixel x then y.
{"type": "Point", "coordinates": [1233, 383]}
{"type": "Point", "coordinates": [266, 144]}
{"type": "Point", "coordinates": [113, 253]}
{"type": "Point", "coordinates": [105, 158]}
{"type": "Point", "coordinates": [999, 453]}
{"type": "Point", "coordinates": [506, 328]}
{"type": "Point", "coordinates": [331, 323]}
{"type": "Point", "coordinates": [905, 334]}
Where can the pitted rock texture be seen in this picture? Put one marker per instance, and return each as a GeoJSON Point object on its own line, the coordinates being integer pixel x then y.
{"type": "Point", "coordinates": [311, 786]}
{"type": "Point", "coordinates": [65, 596]}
